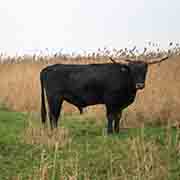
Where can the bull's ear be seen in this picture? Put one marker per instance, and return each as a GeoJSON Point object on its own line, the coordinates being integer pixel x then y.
{"type": "Point", "coordinates": [121, 60]}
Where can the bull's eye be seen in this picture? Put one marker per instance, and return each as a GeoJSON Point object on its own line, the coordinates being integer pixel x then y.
{"type": "Point", "coordinates": [123, 69]}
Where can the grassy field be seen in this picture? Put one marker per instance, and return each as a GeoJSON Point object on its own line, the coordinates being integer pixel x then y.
{"type": "Point", "coordinates": [80, 149]}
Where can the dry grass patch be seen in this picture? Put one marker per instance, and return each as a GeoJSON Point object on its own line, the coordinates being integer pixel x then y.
{"type": "Point", "coordinates": [47, 137]}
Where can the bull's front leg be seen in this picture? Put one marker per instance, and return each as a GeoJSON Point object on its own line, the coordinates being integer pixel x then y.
{"type": "Point", "coordinates": [117, 121]}
{"type": "Point", "coordinates": [113, 113]}
{"type": "Point", "coordinates": [113, 117]}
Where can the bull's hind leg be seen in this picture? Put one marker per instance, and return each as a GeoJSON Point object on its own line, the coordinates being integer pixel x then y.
{"type": "Point", "coordinates": [110, 123]}
{"type": "Point", "coordinates": [55, 104]}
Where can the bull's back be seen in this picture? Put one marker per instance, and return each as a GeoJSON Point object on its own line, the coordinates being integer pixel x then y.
{"type": "Point", "coordinates": [70, 75]}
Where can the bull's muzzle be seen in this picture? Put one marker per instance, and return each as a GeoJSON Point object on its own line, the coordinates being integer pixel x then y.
{"type": "Point", "coordinates": [140, 85]}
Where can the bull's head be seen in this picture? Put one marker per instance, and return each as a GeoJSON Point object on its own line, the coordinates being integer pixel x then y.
{"type": "Point", "coordinates": [139, 69]}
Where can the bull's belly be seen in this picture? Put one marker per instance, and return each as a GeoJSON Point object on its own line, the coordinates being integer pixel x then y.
{"type": "Point", "coordinates": [83, 101]}
{"type": "Point", "coordinates": [91, 99]}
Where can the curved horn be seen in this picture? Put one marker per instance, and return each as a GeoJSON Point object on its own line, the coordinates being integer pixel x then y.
{"type": "Point", "coordinates": [112, 60]}
{"type": "Point", "coordinates": [155, 61]}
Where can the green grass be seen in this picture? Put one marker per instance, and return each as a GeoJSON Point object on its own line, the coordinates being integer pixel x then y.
{"type": "Point", "coordinates": [15, 157]}
{"type": "Point", "coordinates": [88, 153]}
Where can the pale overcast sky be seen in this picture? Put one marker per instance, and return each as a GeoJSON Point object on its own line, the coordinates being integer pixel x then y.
{"type": "Point", "coordinates": [87, 24]}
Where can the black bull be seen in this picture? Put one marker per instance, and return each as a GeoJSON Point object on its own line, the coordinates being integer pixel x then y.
{"type": "Point", "coordinates": [114, 85]}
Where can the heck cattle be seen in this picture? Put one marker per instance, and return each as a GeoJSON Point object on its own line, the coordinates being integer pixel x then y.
{"type": "Point", "coordinates": [114, 85]}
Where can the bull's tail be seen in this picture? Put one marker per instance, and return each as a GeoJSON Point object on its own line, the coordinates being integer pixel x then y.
{"type": "Point", "coordinates": [43, 106]}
